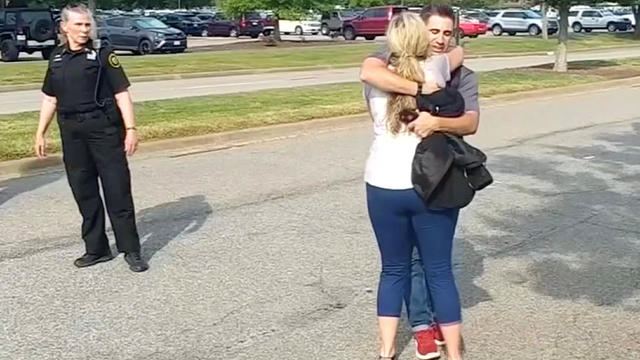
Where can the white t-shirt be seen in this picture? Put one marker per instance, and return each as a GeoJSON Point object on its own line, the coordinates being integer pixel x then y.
{"type": "Point", "coordinates": [391, 156]}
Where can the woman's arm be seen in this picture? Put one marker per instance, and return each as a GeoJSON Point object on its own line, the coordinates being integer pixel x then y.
{"type": "Point", "coordinates": [125, 104]}
{"type": "Point", "coordinates": [47, 109]}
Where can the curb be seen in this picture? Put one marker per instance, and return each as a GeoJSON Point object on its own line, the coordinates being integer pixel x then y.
{"type": "Point", "coordinates": [220, 141]}
{"type": "Point", "coordinates": [149, 78]}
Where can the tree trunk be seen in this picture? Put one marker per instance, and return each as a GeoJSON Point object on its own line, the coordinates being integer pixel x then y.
{"type": "Point", "coordinates": [276, 30]}
{"type": "Point", "coordinates": [545, 20]}
{"type": "Point", "coordinates": [92, 5]}
{"type": "Point", "coordinates": [636, 14]}
{"type": "Point", "coordinates": [563, 37]}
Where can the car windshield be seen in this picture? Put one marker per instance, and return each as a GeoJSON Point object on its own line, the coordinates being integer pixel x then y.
{"type": "Point", "coordinates": [532, 14]}
{"type": "Point", "coordinates": [151, 23]}
{"type": "Point", "coordinates": [350, 13]}
{"type": "Point", "coordinates": [607, 13]}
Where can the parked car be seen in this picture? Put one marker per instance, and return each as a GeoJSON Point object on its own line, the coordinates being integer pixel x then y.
{"type": "Point", "coordinates": [518, 20]}
{"type": "Point", "coordinates": [187, 23]}
{"type": "Point", "coordinates": [205, 17]}
{"type": "Point", "coordinates": [627, 14]}
{"type": "Point", "coordinates": [268, 22]}
{"type": "Point", "coordinates": [311, 25]}
{"type": "Point", "coordinates": [589, 19]}
{"type": "Point", "coordinates": [247, 25]}
{"type": "Point", "coordinates": [471, 27]}
{"type": "Point", "coordinates": [476, 14]}
{"type": "Point", "coordinates": [141, 35]}
{"type": "Point", "coordinates": [371, 23]}
{"type": "Point", "coordinates": [332, 22]}
{"type": "Point", "coordinates": [26, 30]}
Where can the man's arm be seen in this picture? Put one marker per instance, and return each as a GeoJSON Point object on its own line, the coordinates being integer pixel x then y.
{"type": "Point", "coordinates": [426, 124]}
{"type": "Point", "coordinates": [467, 124]}
{"type": "Point", "coordinates": [375, 72]}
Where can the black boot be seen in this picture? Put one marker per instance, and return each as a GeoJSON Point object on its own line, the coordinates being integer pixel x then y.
{"type": "Point", "coordinates": [90, 259]}
{"type": "Point", "coordinates": [135, 261]}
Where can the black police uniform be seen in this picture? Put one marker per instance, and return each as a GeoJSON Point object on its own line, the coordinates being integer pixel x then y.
{"type": "Point", "coordinates": [84, 83]}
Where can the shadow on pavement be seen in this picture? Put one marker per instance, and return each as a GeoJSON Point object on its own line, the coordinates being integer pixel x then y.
{"type": "Point", "coordinates": [161, 224]}
{"type": "Point", "coordinates": [583, 236]}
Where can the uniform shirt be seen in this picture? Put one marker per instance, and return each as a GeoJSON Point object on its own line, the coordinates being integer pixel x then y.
{"type": "Point", "coordinates": [391, 155]}
{"type": "Point", "coordinates": [468, 85]}
{"type": "Point", "coordinates": [72, 76]}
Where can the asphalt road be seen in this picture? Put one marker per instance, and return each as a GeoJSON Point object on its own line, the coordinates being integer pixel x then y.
{"type": "Point", "coordinates": [265, 251]}
{"type": "Point", "coordinates": [19, 101]}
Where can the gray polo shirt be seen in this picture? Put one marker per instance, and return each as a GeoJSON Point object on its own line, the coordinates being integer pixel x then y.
{"type": "Point", "coordinates": [467, 86]}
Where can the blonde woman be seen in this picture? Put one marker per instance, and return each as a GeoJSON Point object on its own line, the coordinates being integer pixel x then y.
{"type": "Point", "coordinates": [398, 215]}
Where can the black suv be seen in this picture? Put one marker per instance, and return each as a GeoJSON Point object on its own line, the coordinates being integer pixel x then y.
{"type": "Point", "coordinates": [188, 23]}
{"type": "Point", "coordinates": [26, 30]}
{"type": "Point", "coordinates": [142, 35]}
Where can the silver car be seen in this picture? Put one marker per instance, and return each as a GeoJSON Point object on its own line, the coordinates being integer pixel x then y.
{"type": "Point", "coordinates": [519, 21]}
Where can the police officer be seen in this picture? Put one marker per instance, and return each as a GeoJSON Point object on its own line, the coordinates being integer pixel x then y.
{"type": "Point", "coordinates": [88, 88]}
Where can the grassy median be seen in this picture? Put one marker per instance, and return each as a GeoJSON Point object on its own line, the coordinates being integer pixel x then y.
{"type": "Point", "coordinates": [210, 114]}
{"type": "Point", "coordinates": [28, 72]}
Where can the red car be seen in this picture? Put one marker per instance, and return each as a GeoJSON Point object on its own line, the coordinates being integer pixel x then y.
{"type": "Point", "coordinates": [471, 27]}
{"type": "Point", "coordinates": [370, 23]}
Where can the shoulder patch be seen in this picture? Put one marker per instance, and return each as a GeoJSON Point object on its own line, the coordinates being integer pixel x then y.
{"type": "Point", "coordinates": [113, 61]}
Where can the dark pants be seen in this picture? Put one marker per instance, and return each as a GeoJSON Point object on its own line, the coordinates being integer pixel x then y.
{"type": "Point", "coordinates": [93, 147]}
{"type": "Point", "coordinates": [421, 316]}
{"type": "Point", "coordinates": [401, 221]}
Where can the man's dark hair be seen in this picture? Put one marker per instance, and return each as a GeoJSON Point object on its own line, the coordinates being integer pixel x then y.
{"type": "Point", "coordinates": [442, 10]}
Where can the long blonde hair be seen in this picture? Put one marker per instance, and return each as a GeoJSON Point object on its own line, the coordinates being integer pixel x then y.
{"type": "Point", "coordinates": [80, 9]}
{"type": "Point", "coordinates": [408, 45]}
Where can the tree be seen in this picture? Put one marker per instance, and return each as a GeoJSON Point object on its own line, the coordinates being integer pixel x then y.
{"type": "Point", "coordinates": [545, 20]}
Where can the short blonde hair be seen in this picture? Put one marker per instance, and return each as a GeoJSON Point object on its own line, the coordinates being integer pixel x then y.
{"type": "Point", "coordinates": [408, 44]}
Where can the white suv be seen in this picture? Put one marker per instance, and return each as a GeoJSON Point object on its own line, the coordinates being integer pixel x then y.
{"type": "Point", "coordinates": [589, 19]}
{"type": "Point", "coordinates": [518, 20]}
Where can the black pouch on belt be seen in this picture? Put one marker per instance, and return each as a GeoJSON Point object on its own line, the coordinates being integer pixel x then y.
{"type": "Point", "coordinates": [112, 112]}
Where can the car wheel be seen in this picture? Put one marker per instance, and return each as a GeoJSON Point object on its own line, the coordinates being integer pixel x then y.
{"type": "Point", "coordinates": [144, 48]}
{"type": "Point", "coordinates": [611, 27]}
{"type": "Point", "coordinates": [324, 30]}
{"type": "Point", "coordinates": [349, 33]}
{"type": "Point", "coordinates": [266, 32]}
{"type": "Point", "coordinates": [370, 37]}
{"type": "Point", "coordinates": [473, 36]}
{"type": "Point", "coordinates": [9, 50]}
{"type": "Point", "coordinates": [46, 53]}
{"type": "Point", "coordinates": [255, 36]}
{"type": "Point", "coordinates": [512, 33]}
{"type": "Point", "coordinates": [496, 30]}
{"type": "Point", "coordinates": [577, 27]}
{"type": "Point", "coordinates": [587, 30]}
{"type": "Point", "coordinates": [233, 32]}
{"type": "Point", "coordinates": [534, 30]}
{"type": "Point", "coordinates": [298, 30]}
{"type": "Point", "coordinates": [204, 33]}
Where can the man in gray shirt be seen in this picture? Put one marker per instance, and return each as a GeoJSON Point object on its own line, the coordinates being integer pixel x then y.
{"type": "Point", "coordinates": [440, 21]}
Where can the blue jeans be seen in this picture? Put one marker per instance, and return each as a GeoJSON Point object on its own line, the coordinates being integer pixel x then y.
{"type": "Point", "coordinates": [401, 221]}
{"type": "Point", "coordinates": [420, 311]}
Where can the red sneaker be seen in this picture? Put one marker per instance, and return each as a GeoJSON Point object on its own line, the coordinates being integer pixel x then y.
{"type": "Point", "coordinates": [426, 347]}
{"type": "Point", "coordinates": [437, 334]}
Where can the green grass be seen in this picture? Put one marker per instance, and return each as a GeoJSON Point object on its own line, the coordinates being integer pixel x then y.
{"type": "Point", "coordinates": [513, 45]}
{"type": "Point", "coordinates": [221, 61]}
{"type": "Point", "coordinates": [211, 114]}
